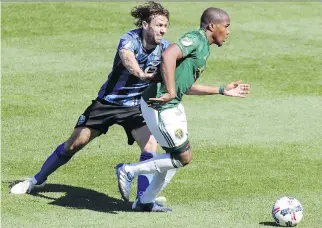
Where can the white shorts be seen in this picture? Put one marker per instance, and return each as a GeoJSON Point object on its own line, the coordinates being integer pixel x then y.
{"type": "Point", "coordinates": [168, 126]}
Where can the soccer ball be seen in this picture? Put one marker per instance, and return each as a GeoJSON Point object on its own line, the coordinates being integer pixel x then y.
{"type": "Point", "coordinates": [287, 211]}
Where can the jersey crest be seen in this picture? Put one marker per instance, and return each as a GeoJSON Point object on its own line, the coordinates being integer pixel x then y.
{"type": "Point", "coordinates": [186, 41]}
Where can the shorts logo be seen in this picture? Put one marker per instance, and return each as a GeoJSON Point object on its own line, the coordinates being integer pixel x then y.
{"type": "Point", "coordinates": [178, 133]}
{"type": "Point", "coordinates": [81, 120]}
{"type": "Point", "coordinates": [186, 41]}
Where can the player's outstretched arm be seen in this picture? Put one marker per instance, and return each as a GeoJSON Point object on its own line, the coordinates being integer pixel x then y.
{"type": "Point", "coordinates": [132, 65]}
{"type": "Point", "coordinates": [234, 89]}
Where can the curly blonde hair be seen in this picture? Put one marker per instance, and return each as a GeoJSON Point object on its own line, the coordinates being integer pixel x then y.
{"type": "Point", "coordinates": [147, 11]}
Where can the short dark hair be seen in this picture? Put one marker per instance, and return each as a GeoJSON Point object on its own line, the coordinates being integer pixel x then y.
{"type": "Point", "coordinates": [147, 11]}
{"type": "Point", "coordinates": [212, 15]}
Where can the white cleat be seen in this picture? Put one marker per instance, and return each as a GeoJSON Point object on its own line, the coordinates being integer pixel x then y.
{"type": "Point", "coordinates": [124, 180]}
{"type": "Point", "coordinates": [25, 187]}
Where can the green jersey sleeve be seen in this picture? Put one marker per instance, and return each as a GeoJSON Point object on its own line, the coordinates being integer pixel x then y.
{"type": "Point", "coordinates": [188, 43]}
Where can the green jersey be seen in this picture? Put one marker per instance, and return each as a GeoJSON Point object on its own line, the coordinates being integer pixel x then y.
{"type": "Point", "coordinates": [194, 46]}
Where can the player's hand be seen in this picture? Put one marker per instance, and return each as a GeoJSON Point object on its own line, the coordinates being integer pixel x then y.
{"type": "Point", "coordinates": [147, 76]}
{"type": "Point", "coordinates": [156, 103]}
{"type": "Point", "coordinates": [237, 89]}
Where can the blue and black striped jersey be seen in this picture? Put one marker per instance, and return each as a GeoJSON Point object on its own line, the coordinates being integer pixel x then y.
{"type": "Point", "coordinates": [121, 87]}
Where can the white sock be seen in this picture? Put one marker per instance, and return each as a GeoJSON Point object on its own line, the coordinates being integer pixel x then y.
{"type": "Point", "coordinates": [168, 177]}
{"type": "Point", "coordinates": [159, 182]}
{"type": "Point", "coordinates": [159, 164]}
{"type": "Point", "coordinates": [154, 188]}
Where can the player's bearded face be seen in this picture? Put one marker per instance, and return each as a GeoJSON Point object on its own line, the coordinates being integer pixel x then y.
{"type": "Point", "coordinates": [156, 29]}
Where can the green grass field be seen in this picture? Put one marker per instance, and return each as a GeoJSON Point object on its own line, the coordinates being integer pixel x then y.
{"type": "Point", "coordinates": [247, 152]}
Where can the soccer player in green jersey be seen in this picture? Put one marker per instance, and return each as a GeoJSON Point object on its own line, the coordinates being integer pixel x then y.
{"type": "Point", "coordinates": [182, 64]}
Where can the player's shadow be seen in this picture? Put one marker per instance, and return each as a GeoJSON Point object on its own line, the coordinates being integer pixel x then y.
{"type": "Point", "coordinates": [268, 224]}
{"type": "Point", "coordinates": [81, 198]}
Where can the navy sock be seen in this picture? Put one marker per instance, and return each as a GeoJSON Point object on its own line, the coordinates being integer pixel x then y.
{"type": "Point", "coordinates": [144, 180]}
{"type": "Point", "coordinates": [53, 162]}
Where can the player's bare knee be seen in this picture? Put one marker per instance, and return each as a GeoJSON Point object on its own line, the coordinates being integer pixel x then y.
{"type": "Point", "coordinates": [181, 159]}
{"type": "Point", "coordinates": [78, 145]}
{"type": "Point", "coordinates": [186, 157]}
{"type": "Point", "coordinates": [71, 148]}
{"type": "Point", "coordinates": [78, 140]}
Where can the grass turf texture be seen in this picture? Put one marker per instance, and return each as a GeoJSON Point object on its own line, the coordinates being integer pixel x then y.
{"type": "Point", "coordinates": [247, 152]}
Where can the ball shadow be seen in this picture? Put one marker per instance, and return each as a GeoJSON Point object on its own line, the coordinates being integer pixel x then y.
{"type": "Point", "coordinates": [269, 224]}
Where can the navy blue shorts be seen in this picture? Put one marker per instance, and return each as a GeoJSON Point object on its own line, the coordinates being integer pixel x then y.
{"type": "Point", "coordinates": [101, 114]}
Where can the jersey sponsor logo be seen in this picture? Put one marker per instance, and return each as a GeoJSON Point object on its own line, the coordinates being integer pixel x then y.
{"type": "Point", "coordinates": [186, 41]}
{"type": "Point", "coordinates": [178, 133]}
{"type": "Point", "coordinates": [152, 67]}
{"type": "Point", "coordinates": [81, 120]}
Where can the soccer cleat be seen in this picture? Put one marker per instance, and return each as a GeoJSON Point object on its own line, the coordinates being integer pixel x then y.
{"type": "Point", "coordinates": [26, 186]}
{"type": "Point", "coordinates": [161, 200]}
{"type": "Point", "coordinates": [124, 181]}
{"type": "Point", "coordinates": [149, 207]}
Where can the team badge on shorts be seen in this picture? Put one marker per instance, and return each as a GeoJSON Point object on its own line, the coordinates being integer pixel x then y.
{"type": "Point", "coordinates": [81, 120]}
{"type": "Point", "coordinates": [178, 133]}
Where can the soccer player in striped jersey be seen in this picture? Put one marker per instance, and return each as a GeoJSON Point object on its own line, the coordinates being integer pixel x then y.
{"type": "Point", "coordinates": [136, 61]}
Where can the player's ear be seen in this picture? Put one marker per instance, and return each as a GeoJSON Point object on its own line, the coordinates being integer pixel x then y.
{"type": "Point", "coordinates": [145, 24]}
{"type": "Point", "coordinates": [211, 27]}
